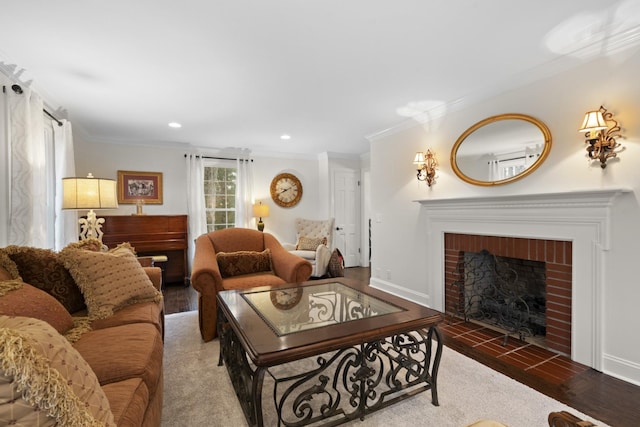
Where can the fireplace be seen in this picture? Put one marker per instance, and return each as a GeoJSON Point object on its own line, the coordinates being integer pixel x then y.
{"type": "Point", "coordinates": [575, 225]}
{"type": "Point", "coordinates": [520, 285]}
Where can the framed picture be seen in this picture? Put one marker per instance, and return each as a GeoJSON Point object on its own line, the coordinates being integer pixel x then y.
{"type": "Point", "coordinates": [145, 186]}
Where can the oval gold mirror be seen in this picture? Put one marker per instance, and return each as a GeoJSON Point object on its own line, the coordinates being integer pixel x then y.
{"type": "Point", "coordinates": [500, 149]}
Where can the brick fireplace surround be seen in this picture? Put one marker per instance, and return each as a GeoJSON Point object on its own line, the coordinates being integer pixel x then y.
{"type": "Point", "coordinates": [557, 256]}
{"type": "Point", "coordinates": [582, 218]}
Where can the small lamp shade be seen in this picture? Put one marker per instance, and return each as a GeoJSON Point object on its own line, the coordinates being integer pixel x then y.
{"type": "Point", "coordinates": [260, 210]}
{"type": "Point", "coordinates": [593, 120]}
{"type": "Point", "coordinates": [89, 193]}
{"type": "Point", "coordinates": [419, 159]}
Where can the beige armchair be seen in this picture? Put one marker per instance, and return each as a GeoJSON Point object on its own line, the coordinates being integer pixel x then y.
{"type": "Point", "coordinates": [213, 272]}
{"type": "Point", "coordinates": [313, 243]}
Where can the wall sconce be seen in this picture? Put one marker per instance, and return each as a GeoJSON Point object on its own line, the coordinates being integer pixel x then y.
{"type": "Point", "coordinates": [427, 165]}
{"type": "Point", "coordinates": [260, 211]}
{"type": "Point", "coordinates": [89, 193]}
{"type": "Point", "coordinates": [601, 131]}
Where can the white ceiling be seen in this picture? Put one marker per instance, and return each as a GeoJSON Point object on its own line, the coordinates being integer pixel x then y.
{"type": "Point", "coordinates": [240, 73]}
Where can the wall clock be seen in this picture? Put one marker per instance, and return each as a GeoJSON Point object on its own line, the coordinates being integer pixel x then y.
{"type": "Point", "coordinates": [286, 190]}
{"type": "Point", "coordinates": [285, 299]}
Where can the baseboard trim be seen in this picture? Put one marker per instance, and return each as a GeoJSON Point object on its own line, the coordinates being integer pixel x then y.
{"type": "Point", "coordinates": [399, 291]}
{"type": "Point", "coordinates": [622, 369]}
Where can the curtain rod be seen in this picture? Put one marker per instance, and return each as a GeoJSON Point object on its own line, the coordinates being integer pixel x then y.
{"type": "Point", "coordinates": [219, 158]}
{"type": "Point", "coordinates": [515, 158]}
{"type": "Point", "coordinates": [17, 89]}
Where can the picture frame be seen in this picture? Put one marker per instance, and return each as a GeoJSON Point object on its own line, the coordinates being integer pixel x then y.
{"type": "Point", "coordinates": [144, 186]}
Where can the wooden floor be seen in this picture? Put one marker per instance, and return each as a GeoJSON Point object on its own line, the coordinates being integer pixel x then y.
{"type": "Point", "coordinates": [608, 399]}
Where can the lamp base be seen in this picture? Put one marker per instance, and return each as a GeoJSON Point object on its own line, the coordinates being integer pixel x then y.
{"type": "Point", "coordinates": [260, 225]}
{"type": "Point", "coordinates": [91, 227]}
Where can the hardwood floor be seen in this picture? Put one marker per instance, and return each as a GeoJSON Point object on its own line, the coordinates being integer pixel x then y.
{"type": "Point", "coordinates": [601, 396]}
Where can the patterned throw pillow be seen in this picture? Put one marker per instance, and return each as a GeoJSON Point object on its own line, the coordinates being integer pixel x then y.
{"type": "Point", "coordinates": [90, 244]}
{"type": "Point", "coordinates": [28, 301]}
{"type": "Point", "coordinates": [43, 269]}
{"type": "Point", "coordinates": [109, 281]}
{"type": "Point", "coordinates": [244, 262]}
{"type": "Point", "coordinates": [8, 268]}
{"type": "Point", "coordinates": [44, 380]}
{"type": "Point", "coordinates": [310, 243]}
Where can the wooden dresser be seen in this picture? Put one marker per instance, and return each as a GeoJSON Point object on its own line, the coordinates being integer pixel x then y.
{"type": "Point", "coordinates": [153, 235]}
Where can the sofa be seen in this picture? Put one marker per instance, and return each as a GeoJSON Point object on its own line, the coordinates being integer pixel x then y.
{"type": "Point", "coordinates": [81, 337]}
{"type": "Point", "coordinates": [239, 258]}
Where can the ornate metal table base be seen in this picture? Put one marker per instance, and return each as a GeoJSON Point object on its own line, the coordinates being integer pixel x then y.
{"type": "Point", "coordinates": [337, 387]}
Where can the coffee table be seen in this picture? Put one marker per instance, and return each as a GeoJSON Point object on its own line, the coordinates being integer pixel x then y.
{"type": "Point", "coordinates": [334, 349]}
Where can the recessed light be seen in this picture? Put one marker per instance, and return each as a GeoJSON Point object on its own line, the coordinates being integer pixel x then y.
{"type": "Point", "coordinates": [285, 136]}
{"type": "Point", "coordinates": [175, 125]}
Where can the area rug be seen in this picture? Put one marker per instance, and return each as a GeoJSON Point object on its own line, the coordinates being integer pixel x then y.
{"type": "Point", "coordinates": [197, 392]}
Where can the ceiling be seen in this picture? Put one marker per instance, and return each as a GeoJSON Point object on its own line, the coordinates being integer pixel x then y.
{"type": "Point", "coordinates": [328, 73]}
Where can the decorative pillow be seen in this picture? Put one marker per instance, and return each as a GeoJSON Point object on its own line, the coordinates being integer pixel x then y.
{"type": "Point", "coordinates": [109, 281]}
{"type": "Point", "coordinates": [244, 262]}
{"type": "Point", "coordinates": [310, 243]}
{"type": "Point", "coordinates": [90, 244]}
{"type": "Point", "coordinates": [28, 301]}
{"type": "Point", "coordinates": [8, 268]}
{"type": "Point", "coordinates": [42, 375]}
{"type": "Point", "coordinates": [43, 269]}
{"type": "Point", "coordinates": [123, 247]}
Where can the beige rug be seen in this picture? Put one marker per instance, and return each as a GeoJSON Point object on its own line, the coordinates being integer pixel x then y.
{"type": "Point", "coordinates": [197, 392]}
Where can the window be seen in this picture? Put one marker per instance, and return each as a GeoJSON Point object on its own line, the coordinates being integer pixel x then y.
{"type": "Point", "coordinates": [220, 195]}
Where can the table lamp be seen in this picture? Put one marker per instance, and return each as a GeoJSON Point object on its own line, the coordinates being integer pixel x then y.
{"type": "Point", "coordinates": [260, 211]}
{"type": "Point", "coordinates": [89, 193]}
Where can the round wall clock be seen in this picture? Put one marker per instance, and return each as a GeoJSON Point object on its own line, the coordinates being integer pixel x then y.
{"type": "Point", "coordinates": [284, 299]}
{"type": "Point", "coordinates": [286, 190]}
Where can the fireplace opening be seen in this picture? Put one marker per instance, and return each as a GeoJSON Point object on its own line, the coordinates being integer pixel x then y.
{"type": "Point", "coordinates": [543, 268]}
{"type": "Point", "coordinates": [503, 292]}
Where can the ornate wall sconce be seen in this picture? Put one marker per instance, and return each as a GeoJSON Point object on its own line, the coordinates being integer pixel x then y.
{"type": "Point", "coordinates": [601, 131]}
{"type": "Point", "coordinates": [427, 165]}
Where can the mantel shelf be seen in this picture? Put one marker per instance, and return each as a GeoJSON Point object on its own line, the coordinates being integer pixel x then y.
{"type": "Point", "coordinates": [599, 197]}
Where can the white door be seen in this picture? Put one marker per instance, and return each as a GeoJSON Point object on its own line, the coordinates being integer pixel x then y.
{"type": "Point", "coordinates": [346, 193]}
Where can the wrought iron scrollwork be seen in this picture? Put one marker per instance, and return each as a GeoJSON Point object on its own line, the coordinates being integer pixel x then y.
{"type": "Point", "coordinates": [370, 377]}
{"type": "Point", "coordinates": [241, 373]}
{"type": "Point", "coordinates": [489, 291]}
{"type": "Point", "coordinates": [335, 387]}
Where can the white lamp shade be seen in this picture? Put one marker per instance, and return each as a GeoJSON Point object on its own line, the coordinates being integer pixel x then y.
{"type": "Point", "coordinates": [419, 159]}
{"type": "Point", "coordinates": [260, 210]}
{"type": "Point", "coordinates": [89, 193]}
{"type": "Point", "coordinates": [593, 120]}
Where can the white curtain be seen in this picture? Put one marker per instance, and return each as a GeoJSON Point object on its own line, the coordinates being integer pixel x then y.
{"type": "Point", "coordinates": [66, 222]}
{"type": "Point", "coordinates": [28, 178]}
{"type": "Point", "coordinates": [244, 190]}
{"type": "Point", "coordinates": [195, 201]}
{"type": "Point", "coordinates": [494, 170]}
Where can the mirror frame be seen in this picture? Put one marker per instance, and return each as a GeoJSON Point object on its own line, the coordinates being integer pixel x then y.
{"type": "Point", "coordinates": [510, 116]}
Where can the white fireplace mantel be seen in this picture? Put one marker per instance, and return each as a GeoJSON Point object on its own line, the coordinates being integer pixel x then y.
{"type": "Point", "coordinates": [582, 217]}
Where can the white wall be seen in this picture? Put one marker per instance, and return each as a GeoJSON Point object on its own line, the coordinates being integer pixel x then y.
{"type": "Point", "coordinates": [560, 101]}
{"type": "Point", "coordinates": [105, 159]}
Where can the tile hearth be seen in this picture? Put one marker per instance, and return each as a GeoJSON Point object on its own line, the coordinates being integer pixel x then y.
{"type": "Point", "coordinates": [551, 367]}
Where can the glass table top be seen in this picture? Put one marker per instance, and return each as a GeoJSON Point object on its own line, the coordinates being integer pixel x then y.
{"type": "Point", "coordinates": [297, 309]}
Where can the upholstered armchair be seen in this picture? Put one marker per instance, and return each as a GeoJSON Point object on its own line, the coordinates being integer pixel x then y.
{"type": "Point", "coordinates": [237, 258]}
{"type": "Point", "coordinates": [313, 243]}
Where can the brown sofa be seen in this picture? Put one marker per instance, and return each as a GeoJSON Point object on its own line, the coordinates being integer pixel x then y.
{"type": "Point", "coordinates": [245, 265]}
{"type": "Point", "coordinates": [121, 345]}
